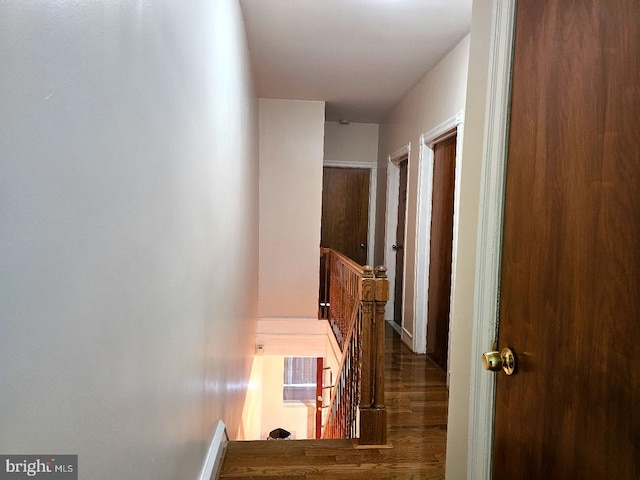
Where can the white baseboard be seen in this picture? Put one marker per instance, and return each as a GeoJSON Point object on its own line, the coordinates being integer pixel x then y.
{"type": "Point", "coordinates": [215, 455]}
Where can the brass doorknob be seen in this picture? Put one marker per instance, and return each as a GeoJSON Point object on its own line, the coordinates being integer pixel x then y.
{"type": "Point", "coordinates": [495, 361]}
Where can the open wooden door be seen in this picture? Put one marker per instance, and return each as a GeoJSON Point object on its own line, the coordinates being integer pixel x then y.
{"type": "Point", "coordinates": [441, 250]}
{"type": "Point", "coordinates": [570, 288]}
{"type": "Point", "coordinates": [398, 246]}
{"type": "Point", "coordinates": [345, 211]}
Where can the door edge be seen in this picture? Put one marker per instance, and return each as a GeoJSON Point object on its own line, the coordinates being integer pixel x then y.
{"type": "Point", "coordinates": [489, 243]}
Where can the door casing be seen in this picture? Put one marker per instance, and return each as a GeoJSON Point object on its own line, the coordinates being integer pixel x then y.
{"type": "Point", "coordinates": [489, 248]}
{"type": "Point", "coordinates": [454, 126]}
{"type": "Point", "coordinates": [391, 224]}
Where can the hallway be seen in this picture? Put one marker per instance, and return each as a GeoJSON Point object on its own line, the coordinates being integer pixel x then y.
{"type": "Point", "coordinates": [416, 399]}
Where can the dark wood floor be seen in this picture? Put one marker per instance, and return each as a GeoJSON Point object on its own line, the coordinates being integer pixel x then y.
{"type": "Point", "coordinates": [416, 398]}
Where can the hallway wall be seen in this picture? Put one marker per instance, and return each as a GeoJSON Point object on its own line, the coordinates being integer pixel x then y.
{"type": "Point", "coordinates": [355, 146]}
{"type": "Point", "coordinates": [291, 146]}
{"type": "Point", "coordinates": [441, 94]}
{"type": "Point", "coordinates": [356, 142]}
{"type": "Point", "coordinates": [462, 308]}
{"type": "Point", "coordinates": [129, 213]}
{"type": "Point", "coordinates": [434, 100]}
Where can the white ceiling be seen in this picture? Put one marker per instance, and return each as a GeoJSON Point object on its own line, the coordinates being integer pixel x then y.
{"type": "Point", "coordinates": [360, 56]}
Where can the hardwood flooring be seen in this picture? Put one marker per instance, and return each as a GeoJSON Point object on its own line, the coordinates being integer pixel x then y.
{"type": "Point", "coordinates": [416, 398]}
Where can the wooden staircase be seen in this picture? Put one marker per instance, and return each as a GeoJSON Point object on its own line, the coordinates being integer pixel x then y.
{"type": "Point", "coordinates": [416, 400]}
{"type": "Point", "coordinates": [355, 298]}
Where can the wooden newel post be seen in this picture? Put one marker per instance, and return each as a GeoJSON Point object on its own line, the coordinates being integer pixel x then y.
{"type": "Point", "coordinates": [373, 414]}
{"type": "Point", "coordinates": [382, 296]}
{"type": "Point", "coordinates": [368, 320]}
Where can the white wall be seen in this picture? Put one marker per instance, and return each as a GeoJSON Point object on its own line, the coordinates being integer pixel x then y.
{"type": "Point", "coordinates": [434, 100]}
{"type": "Point", "coordinates": [355, 146]}
{"type": "Point", "coordinates": [463, 300]}
{"type": "Point", "coordinates": [356, 142]}
{"type": "Point", "coordinates": [291, 152]}
{"type": "Point", "coordinates": [129, 213]}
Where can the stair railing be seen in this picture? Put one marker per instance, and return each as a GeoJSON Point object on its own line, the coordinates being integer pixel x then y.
{"type": "Point", "coordinates": [353, 300]}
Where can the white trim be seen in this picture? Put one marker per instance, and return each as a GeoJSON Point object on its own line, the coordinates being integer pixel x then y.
{"type": "Point", "coordinates": [341, 164]}
{"type": "Point", "coordinates": [407, 333]}
{"type": "Point", "coordinates": [423, 221]}
{"type": "Point", "coordinates": [399, 154]}
{"type": "Point", "coordinates": [436, 134]}
{"type": "Point", "coordinates": [456, 230]}
{"type": "Point", "coordinates": [391, 223]}
{"type": "Point", "coordinates": [489, 249]}
{"type": "Point", "coordinates": [215, 454]}
{"type": "Point", "coordinates": [373, 185]}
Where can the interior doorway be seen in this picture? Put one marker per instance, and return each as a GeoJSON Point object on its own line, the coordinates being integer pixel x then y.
{"type": "Point", "coordinates": [398, 246]}
{"type": "Point", "coordinates": [451, 129]}
{"type": "Point", "coordinates": [441, 250]}
{"type": "Point", "coordinates": [398, 168]}
{"type": "Point", "coordinates": [345, 208]}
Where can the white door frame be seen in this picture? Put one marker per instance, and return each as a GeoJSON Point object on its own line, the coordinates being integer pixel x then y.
{"type": "Point", "coordinates": [489, 247]}
{"type": "Point", "coordinates": [428, 140]}
{"type": "Point", "coordinates": [391, 225]}
{"type": "Point", "coordinates": [373, 182]}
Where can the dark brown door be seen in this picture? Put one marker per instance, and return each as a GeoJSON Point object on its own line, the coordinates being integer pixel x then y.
{"type": "Point", "coordinates": [571, 255]}
{"type": "Point", "coordinates": [444, 173]}
{"type": "Point", "coordinates": [398, 247]}
{"type": "Point", "coordinates": [345, 211]}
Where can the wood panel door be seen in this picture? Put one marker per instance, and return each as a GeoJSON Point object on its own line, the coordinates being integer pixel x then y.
{"type": "Point", "coordinates": [570, 287]}
{"type": "Point", "coordinates": [398, 246]}
{"type": "Point", "coordinates": [440, 256]}
{"type": "Point", "coordinates": [345, 211]}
